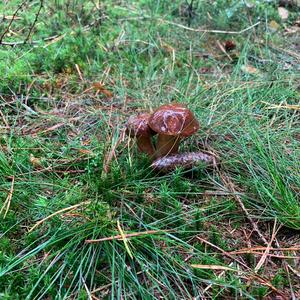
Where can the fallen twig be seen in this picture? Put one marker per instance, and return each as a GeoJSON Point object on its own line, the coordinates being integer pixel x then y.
{"type": "Point", "coordinates": [208, 30]}
{"type": "Point", "coordinates": [11, 20]}
{"type": "Point", "coordinates": [213, 267]}
{"type": "Point", "coordinates": [4, 119]}
{"type": "Point", "coordinates": [16, 43]}
{"type": "Point", "coordinates": [127, 235]}
{"type": "Point", "coordinates": [3, 17]}
{"type": "Point", "coordinates": [124, 239]}
{"type": "Point", "coordinates": [9, 197]}
{"type": "Point", "coordinates": [111, 154]}
{"type": "Point", "coordinates": [266, 252]}
{"type": "Point", "coordinates": [282, 106]}
{"type": "Point", "coordinates": [34, 22]}
{"type": "Point", "coordinates": [223, 50]}
{"type": "Point", "coordinates": [57, 213]}
{"type": "Point", "coordinates": [251, 250]}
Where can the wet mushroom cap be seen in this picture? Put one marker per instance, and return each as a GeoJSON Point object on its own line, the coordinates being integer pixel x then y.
{"type": "Point", "coordinates": [173, 119]}
{"type": "Point", "coordinates": [137, 125]}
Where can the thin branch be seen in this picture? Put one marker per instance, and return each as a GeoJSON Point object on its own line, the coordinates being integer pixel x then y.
{"type": "Point", "coordinates": [4, 119]}
{"type": "Point", "coordinates": [266, 252]}
{"type": "Point", "coordinates": [16, 43]}
{"type": "Point", "coordinates": [12, 19]}
{"type": "Point", "coordinates": [255, 249]}
{"type": "Point", "coordinates": [207, 30]}
{"type": "Point", "coordinates": [56, 213]}
{"type": "Point", "coordinates": [9, 197]}
{"type": "Point", "coordinates": [35, 20]}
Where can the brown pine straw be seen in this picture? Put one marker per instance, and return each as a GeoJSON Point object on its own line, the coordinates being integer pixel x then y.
{"type": "Point", "coordinates": [266, 252]}
{"type": "Point", "coordinates": [8, 198]}
{"type": "Point", "coordinates": [128, 235]}
{"type": "Point", "coordinates": [57, 213]}
{"type": "Point", "coordinates": [256, 249]}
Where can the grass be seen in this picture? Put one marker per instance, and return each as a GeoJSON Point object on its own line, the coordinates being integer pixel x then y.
{"type": "Point", "coordinates": [59, 131]}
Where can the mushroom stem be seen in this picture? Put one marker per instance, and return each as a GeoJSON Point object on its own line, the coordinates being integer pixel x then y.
{"type": "Point", "coordinates": [145, 145]}
{"type": "Point", "coordinates": [167, 144]}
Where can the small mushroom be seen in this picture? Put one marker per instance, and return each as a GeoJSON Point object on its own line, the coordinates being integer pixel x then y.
{"type": "Point", "coordinates": [172, 122]}
{"type": "Point", "coordinates": [137, 126]}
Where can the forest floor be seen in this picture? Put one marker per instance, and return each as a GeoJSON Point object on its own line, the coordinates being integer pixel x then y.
{"type": "Point", "coordinates": [72, 73]}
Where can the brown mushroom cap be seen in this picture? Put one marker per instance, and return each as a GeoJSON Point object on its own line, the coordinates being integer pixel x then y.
{"type": "Point", "coordinates": [137, 126]}
{"type": "Point", "coordinates": [173, 119]}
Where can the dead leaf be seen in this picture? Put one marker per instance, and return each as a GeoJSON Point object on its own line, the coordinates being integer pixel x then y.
{"type": "Point", "coordinates": [85, 151]}
{"type": "Point", "coordinates": [249, 69]}
{"type": "Point", "coordinates": [54, 127]}
{"type": "Point", "coordinates": [85, 142]}
{"type": "Point", "coordinates": [101, 89]}
{"type": "Point", "coordinates": [168, 48]}
{"type": "Point", "coordinates": [283, 13]}
{"type": "Point", "coordinates": [35, 161]}
{"type": "Point", "coordinates": [273, 25]}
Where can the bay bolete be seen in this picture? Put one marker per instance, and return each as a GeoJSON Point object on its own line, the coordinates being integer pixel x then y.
{"type": "Point", "coordinates": [137, 126]}
{"type": "Point", "coordinates": [172, 122]}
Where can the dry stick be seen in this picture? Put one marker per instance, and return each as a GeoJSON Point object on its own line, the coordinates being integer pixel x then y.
{"type": "Point", "coordinates": [4, 119]}
{"type": "Point", "coordinates": [56, 213]}
{"type": "Point", "coordinates": [219, 276]}
{"type": "Point", "coordinates": [207, 30]}
{"type": "Point", "coordinates": [271, 255]}
{"type": "Point", "coordinates": [128, 235]}
{"type": "Point", "coordinates": [230, 185]}
{"type": "Point", "coordinates": [9, 197]}
{"type": "Point", "coordinates": [124, 239]}
{"type": "Point", "coordinates": [194, 29]}
{"type": "Point", "coordinates": [252, 250]}
{"type": "Point", "coordinates": [259, 278]}
{"type": "Point", "coordinates": [50, 38]}
{"type": "Point", "coordinates": [12, 19]}
{"type": "Point", "coordinates": [265, 254]}
{"type": "Point", "coordinates": [106, 286]}
{"type": "Point", "coordinates": [3, 17]}
{"type": "Point", "coordinates": [223, 50]}
{"type": "Point", "coordinates": [213, 267]}
{"type": "Point", "coordinates": [222, 251]}
{"type": "Point", "coordinates": [35, 20]}
{"type": "Point", "coordinates": [109, 156]}
{"type": "Point", "coordinates": [79, 72]}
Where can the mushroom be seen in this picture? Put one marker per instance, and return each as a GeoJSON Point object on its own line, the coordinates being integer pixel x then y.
{"type": "Point", "coordinates": [137, 126]}
{"type": "Point", "coordinates": [172, 122]}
